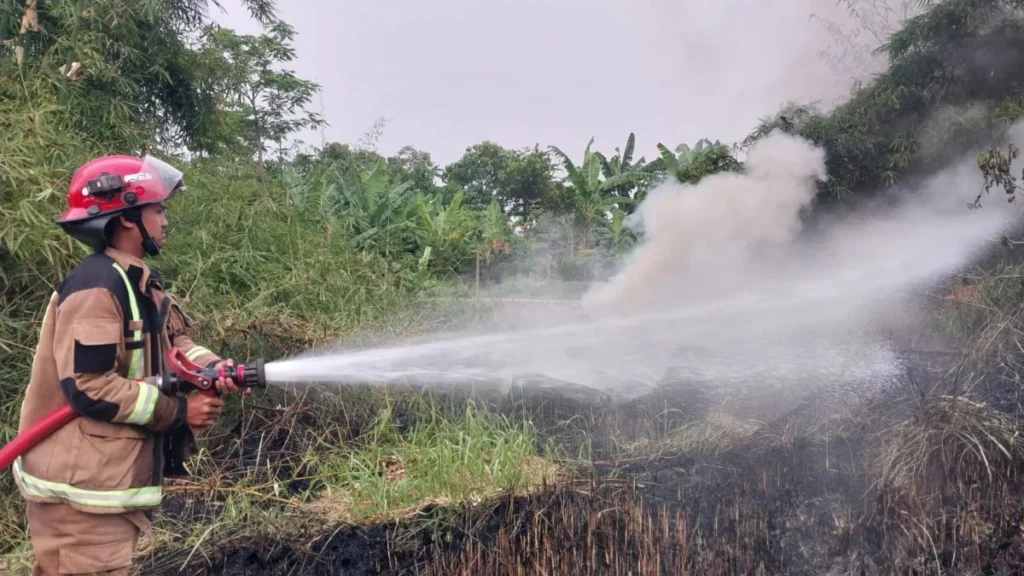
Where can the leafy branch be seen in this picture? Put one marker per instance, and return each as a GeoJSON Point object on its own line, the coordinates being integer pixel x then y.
{"type": "Point", "coordinates": [995, 168]}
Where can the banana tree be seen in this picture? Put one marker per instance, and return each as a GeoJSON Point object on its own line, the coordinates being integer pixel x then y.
{"type": "Point", "coordinates": [447, 232]}
{"type": "Point", "coordinates": [494, 235]}
{"type": "Point", "coordinates": [689, 165]}
{"type": "Point", "coordinates": [373, 211]}
{"type": "Point", "coordinates": [621, 237]}
{"type": "Point", "coordinates": [307, 193]}
{"type": "Point", "coordinates": [592, 196]}
{"type": "Point", "coordinates": [622, 163]}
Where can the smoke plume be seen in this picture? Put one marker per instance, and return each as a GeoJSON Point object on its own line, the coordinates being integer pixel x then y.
{"type": "Point", "coordinates": [699, 239]}
{"type": "Point", "coordinates": [749, 302]}
{"type": "Point", "coordinates": [728, 292]}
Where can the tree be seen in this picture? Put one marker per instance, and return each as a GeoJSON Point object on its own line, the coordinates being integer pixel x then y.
{"type": "Point", "coordinates": [525, 182]}
{"type": "Point", "coordinates": [415, 166]}
{"type": "Point", "coordinates": [791, 119]}
{"type": "Point", "coordinates": [445, 232]}
{"type": "Point", "coordinates": [953, 74]}
{"type": "Point", "coordinates": [622, 163]}
{"type": "Point", "coordinates": [264, 105]}
{"type": "Point", "coordinates": [854, 55]}
{"type": "Point", "coordinates": [120, 70]}
{"type": "Point", "coordinates": [478, 172]}
{"type": "Point", "coordinates": [591, 195]}
{"type": "Point", "coordinates": [371, 209]}
{"type": "Point", "coordinates": [690, 165]}
{"type": "Point", "coordinates": [494, 237]}
{"type": "Point", "coordinates": [517, 179]}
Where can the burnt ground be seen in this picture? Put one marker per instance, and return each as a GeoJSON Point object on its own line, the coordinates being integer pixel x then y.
{"type": "Point", "coordinates": [791, 498]}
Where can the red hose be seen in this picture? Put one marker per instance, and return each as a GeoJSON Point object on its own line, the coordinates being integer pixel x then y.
{"type": "Point", "coordinates": [55, 420]}
{"type": "Point", "coordinates": [30, 437]}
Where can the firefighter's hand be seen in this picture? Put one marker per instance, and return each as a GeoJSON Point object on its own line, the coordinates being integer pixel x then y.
{"type": "Point", "coordinates": [225, 385]}
{"type": "Point", "coordinates": [203, 411]}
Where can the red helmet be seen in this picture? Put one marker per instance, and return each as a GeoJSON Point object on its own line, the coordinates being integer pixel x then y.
{"type": "Point", "coordinates": [112, 185]}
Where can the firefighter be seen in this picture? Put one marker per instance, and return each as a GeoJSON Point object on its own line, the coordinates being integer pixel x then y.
{"type": "Point", "coordinates": [91, 488]}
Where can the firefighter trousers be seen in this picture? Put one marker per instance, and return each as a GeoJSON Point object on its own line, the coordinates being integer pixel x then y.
{"type": "Point", "coordinates": [67, 541]}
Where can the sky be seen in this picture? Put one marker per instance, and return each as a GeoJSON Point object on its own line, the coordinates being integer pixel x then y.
{"type": "Point", "coordinates": [451, 73]}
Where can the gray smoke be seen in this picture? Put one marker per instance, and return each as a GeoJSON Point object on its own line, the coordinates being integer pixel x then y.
{"type": "Point", "coordinates": [808, 311]}
{"type": "Point", "coordinates": [700, 240]}
{"type": "Point", "coordinates": [725, 291]}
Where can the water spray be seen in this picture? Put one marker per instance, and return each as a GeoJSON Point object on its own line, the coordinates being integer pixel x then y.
{"type": "Point", "coordinates": [184, 376]}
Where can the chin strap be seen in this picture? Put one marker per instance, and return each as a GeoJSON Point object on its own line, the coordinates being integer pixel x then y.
{"type": "Point", "coordinates": [148, 244]}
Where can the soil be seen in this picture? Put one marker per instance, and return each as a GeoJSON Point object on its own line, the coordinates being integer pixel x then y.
{"type": "Point", "coordinates": [788, 500]}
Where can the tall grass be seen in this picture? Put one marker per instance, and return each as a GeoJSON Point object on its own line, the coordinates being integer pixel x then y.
{"type": "Point", "coordinates": [37, 156]}
{"type": "Point", "coordinates": [254, 275]}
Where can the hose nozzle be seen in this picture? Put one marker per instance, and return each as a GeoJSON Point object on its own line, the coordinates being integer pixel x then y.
{"type": "Point", "coordinates": [251, 375]}
{"type": "Point", "coordinates": [184, 373]}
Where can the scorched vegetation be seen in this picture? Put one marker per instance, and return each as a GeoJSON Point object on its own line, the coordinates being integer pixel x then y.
{"type": "Point", "coordinates": [278, 249]}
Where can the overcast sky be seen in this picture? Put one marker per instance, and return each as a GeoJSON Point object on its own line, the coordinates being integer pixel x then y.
{"type": "Point", "coordinates": [451, 73]}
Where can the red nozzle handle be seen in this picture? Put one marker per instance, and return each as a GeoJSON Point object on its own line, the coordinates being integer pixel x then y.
{"type": "Point", "coordinates": [190, 372]}
{"type": "Point", "coordinates": [251, 375]}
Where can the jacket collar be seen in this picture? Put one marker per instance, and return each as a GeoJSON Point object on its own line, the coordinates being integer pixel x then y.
{"type": "Point", "coordinates": [136, 269]}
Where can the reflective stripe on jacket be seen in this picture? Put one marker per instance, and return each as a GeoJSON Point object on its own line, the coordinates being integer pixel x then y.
{"type": "Point", "coordinates": [99, 337]}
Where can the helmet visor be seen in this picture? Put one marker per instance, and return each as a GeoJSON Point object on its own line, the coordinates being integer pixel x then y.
{"type": "Point", "coordinates": [170, 178]}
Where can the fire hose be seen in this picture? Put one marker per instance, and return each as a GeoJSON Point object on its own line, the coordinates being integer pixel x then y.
{"type": "Point", "coordinates": [183, 376]}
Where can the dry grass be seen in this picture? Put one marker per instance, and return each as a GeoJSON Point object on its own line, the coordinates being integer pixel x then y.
{"type": "Point", "coordinates": [716, 433]}
{"type": "Point", "coordinates": [944, 466]}
{"type": "Point", "coordinates": [326, 458]}
{"type": "Point", "coordinates": [300, 478]}
{"type": "Point", "coordinates": [946, 478]}
{"type": "Point", "coordinates": [949, 437]}
{"type": "Point", "coordinates": [614, 529]}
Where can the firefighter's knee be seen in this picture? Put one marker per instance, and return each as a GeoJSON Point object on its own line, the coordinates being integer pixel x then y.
{"type": "Point", "coordinates": [111, 559]}
{"type": "Point", "coordinates": [67, 542]}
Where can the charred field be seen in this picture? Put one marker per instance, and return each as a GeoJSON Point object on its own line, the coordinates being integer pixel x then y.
{"type": "Point", "coordinates": [921, 478]}
{"type": "Point", "coordinates": [820, 211]}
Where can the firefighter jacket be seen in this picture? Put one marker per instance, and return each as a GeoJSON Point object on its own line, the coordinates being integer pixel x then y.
{"type": "Point", "coordinates": [102, 333]}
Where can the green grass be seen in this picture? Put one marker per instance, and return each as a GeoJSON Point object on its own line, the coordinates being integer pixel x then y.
{"type": "Point", "coordinates": [412, 454]}
{"type": "Point", "coordinates": [439, 461]}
